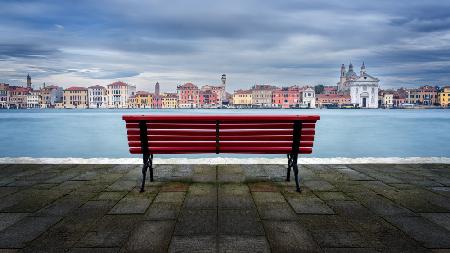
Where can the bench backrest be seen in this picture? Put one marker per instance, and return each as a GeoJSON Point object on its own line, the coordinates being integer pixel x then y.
{"type": "Point", "coordinates": [255, 134]}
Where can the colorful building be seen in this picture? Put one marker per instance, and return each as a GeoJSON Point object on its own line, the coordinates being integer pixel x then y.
{"type": "Point", "coordinates": [4, 95]}
{"type": "Point", "coordinates": [444, 96]}
{"type": "Point", "coordinates": [262, 95]}
{"type": "Point", "coordinates": [188, 96]}
{"type": "Point", "coordinates": [18, 97]}
{"type": "Point", "coordinates": [119, 93]}
{"type": "Point", "coordinates": [242, 99]}
{"type": "Point", "coordinates": [337, 100]}
{"type": "Point", "coordinates": [33, 99]}
{"type": "Point", "coordinates": [208, 98]}
{"type": "Point", "coordinates": [142, 99]}
{"type": "Point", "coordinates": [97, 97]}
{"type": "Point", "coordinates": [286, 97]}
{"type": "Point", "coordinates": [169, 101]}
{"type": "Point", "coordinates": [425, 95]}
{"type": "Point", "coordinates": [50, 95]}
{"type": "Point", "coordinates": [75, 97]}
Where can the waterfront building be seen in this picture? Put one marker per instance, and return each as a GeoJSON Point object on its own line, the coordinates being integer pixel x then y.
{"type": "Point", "coordinates": [169, 101]}
{"type": "Point", "coordinates": [142, 99]}
{"type": "Point", "coordinates": [444, 96]}
{"type": "Point", "coordinates": [18, 97]}
{"type": "Point", "coordinates": [75, 97]}
{"type": "Point", "coordinates": [399, 98]}
{"type": "Point", "coordinates": [188, 96]}
{"type": "Point", "coordinates": [308, 97]}
{"type": "Point", "coordinates": [330, 90]}
{"type": "Point", "coordinates": [4, 95]}
{"type": "Point", "coordinates": [208, 98]}
{"type": "Point", "coordinates": [242, 99]}
{"type": "Point", "coordinates": [119, 93]}
{"type": "Point", "coordinates": [337, 100]}
{"type": "Point", "coordinates": [262, 95]}
{"type": "Point", "coordinates": [50, 95]}
{"type": "Point", "coordinates": [388, 100]}
{"type": "Point", "coordinates": [157, 99]}
{"type": "Point", "coordinates": [363, 88]}
{"type": "Point", "coordinates": [424, 95]}
{"type": "Point", "coordinates": [33, 99]}
{"type": "Point", "coordinates": [97, 97]}
{"type": "Point", "coordinates": [286, 97]}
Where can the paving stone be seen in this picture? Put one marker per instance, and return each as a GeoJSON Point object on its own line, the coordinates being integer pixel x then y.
{"type": "Point", "coordinates": [62, 206]}
{"type": "Point", "coordinates": [441, 219]}
{"type": "Point", "coordinates": [354, 175]}
{"type": "Point", "coordinates": [33, 201]}
{"type": "Point", "coordinates": [196, 222]}
{"type": "Point", "coordinates": [235, 196]}
{"type": "Point", "coordinates": [230, 174]}
{"type": "Point", "coordinates": [111, 195]}
{"type": "Point", "coordinates": [122, 185]}
{"type": "Point", "coordinates": [239, 222]}
{"type": "Point", "coordinates": [4, 191]}
{"type": "Point", "coordinates": [319, 185]}
{"type": "Point", "coordinates": [314, 222]}
{"type": "Point", "coordinates": [311, 205]}
{"type": "Point", "coordinates": [204, 173]}
{"type": "Point", "coordinates": [162, 211]}
{"type": "Point", "coordinates": [25, 230]}
{"type": "Point", "coordinates": [94, 250]}
{"type": "Point", "coordinates": [132, 205]}
{"type": "Point", "coordinates": [380, 205]}
{"type": "Point", "coordinates": [232, 243]}
{"type": "Point", "coordinates": [8, 219]}
{"type": "Point", "coordinates": [174, 187]}
{"type": "Point", "coordinates": [276, 211]}
{"type": "Point", "coordinates": [268, 197]}
{"type": "Point", "coordinates": [332, 196]}
{"type": "Point", "coordinates": [110, 231]}
{"type": "Point", "coordinates": [199, 244]}
{"type": "Point", "coordinates": [263, 187]}
{"type": "Point", "coordinates": [170, 197]}
{"type": "Point", "coordinates": [201, 196]}
{"type": "Point", "coordinates": [350, 250]}
{"type": "Point", "coordinates": [289, 236]}
{"type": "Point", "coordinates": [351, 239]}
{"type": "Point", "coordinates": [422, 230]}
{"type": "Point", "coordinates": [349, 208]}
{"type": "Point", "coordinates": [150, 236]}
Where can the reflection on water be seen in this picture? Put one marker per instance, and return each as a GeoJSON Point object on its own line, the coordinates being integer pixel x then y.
{"type": "Point", "coordinates": [340, 133]}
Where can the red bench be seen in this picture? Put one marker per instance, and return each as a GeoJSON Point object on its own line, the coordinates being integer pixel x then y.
{"type": "Point", "coordinates": [244, 134]}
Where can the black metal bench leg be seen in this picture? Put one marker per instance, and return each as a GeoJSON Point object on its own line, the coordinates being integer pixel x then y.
{"type": "Point", "coordinates": [151, 167]}
{"type": "Point", "coordinates": [288, 175]}
{"type": "Point", "coordinates": [144, 172]}
{"type": "Point", "coordinates": [295, 167]}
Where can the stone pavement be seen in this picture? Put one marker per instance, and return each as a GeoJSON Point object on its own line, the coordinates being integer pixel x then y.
{"type": "Point", "coordinates": [225, 208]}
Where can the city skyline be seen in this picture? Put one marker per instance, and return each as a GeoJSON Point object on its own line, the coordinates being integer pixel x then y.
{"type": "Point", "coordinates": [253, 42]}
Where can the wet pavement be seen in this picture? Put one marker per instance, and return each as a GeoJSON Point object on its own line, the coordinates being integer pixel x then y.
{"type": "Point", "coordinates": [225, 208]}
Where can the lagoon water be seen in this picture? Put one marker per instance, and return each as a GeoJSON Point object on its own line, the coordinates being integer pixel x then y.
{"type": "Point", "coordinates": [340, 133]}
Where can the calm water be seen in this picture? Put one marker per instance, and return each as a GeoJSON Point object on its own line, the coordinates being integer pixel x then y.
{"type": "Point", "coordinates": [340, 133]}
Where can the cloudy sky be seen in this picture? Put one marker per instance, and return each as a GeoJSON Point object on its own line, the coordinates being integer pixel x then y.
{"type": "Point", "coordinates": [404, 43]}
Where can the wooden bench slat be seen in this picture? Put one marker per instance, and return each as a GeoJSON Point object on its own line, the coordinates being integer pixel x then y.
{"type": "Point", "coordinates": [222, 126]}
{"type": "Point", "coordinates": [195, 132]}
{"type": "Point", "coordinates": [246, 150]}
{"type": "Point", "coordinates": [222, 144]}
{"type": "Point", "coordinates": [222, 138]}
{"type": "Point", "coordinates": [212, 118]}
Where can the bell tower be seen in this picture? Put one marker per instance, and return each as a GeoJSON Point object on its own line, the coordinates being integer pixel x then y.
{"type": "Point", "coordinates": [29, 81]}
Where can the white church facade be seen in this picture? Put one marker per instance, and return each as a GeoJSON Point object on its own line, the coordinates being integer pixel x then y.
{"type": "Point", "coordinates": [363, 89]}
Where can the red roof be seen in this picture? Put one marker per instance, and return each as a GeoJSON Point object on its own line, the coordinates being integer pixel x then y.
{"type": "Point", "coordinates": [119, 83]}
{"type": "Point", "coordinates": [332, 96]}
{"type": "Point", "coordinates": [75, 88]}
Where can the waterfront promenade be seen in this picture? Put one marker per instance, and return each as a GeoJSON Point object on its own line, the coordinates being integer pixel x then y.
{"type": "Point", "coordinates": [225, 208]}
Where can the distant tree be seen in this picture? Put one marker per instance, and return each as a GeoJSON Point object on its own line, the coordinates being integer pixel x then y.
{"type": "Point", "coordinates": [318, 89]}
